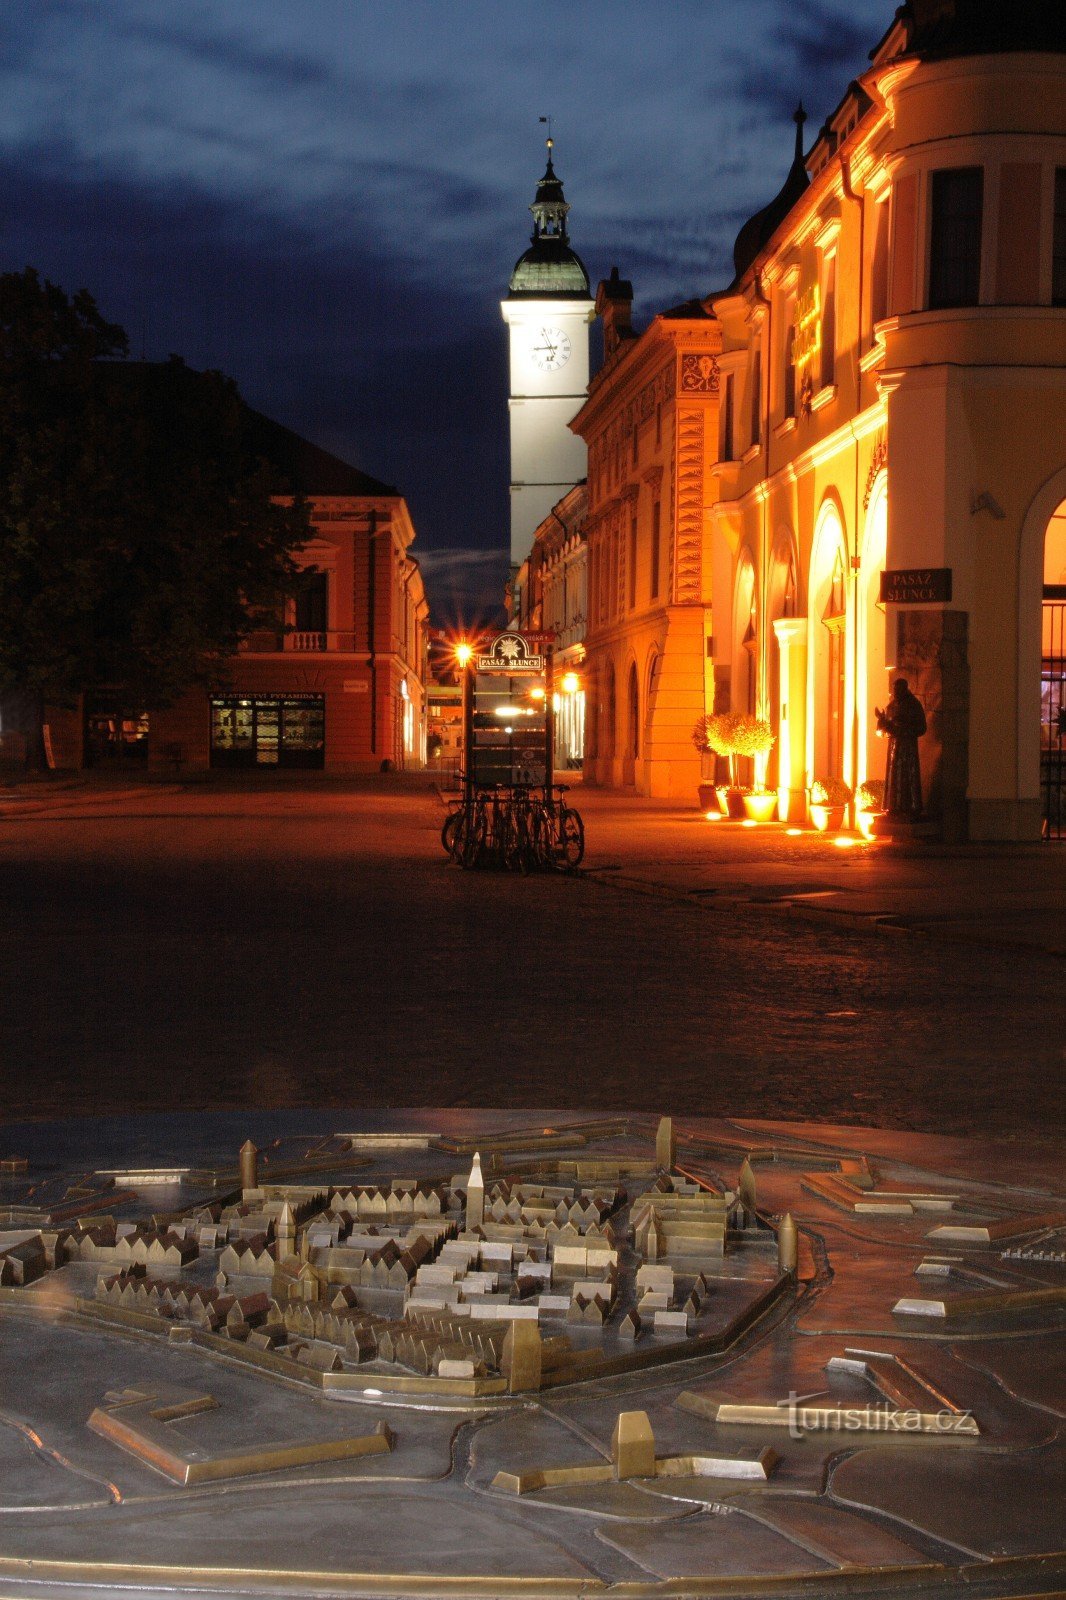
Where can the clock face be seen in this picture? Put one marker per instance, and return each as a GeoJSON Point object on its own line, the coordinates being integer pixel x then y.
{"type": "Point", "coordinates": [551, 349]}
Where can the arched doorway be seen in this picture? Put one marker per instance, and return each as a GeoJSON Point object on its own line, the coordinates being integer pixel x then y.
{"type": "Point", "coordinates": [632, 748]}
{"type": "Point", "coordinates": [827, 631]}
{"type": "Point", "coordinates": [872, 674]}
{"type": "Point", "coordinates": [610, 712]}
{"type": "Point", "coordinates": [744, 685]}
{"type": "Point", "coordinates": [781, 602]}
{"type": "Point", "coordinates": [1053, 678]}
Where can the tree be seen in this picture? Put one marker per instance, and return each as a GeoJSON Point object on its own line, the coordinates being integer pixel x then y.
{"type": "Point", "coordinates": [139, 540]}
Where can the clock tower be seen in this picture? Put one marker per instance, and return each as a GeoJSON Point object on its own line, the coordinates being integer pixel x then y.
{"type": "Point", "coordinates": [547, 310]}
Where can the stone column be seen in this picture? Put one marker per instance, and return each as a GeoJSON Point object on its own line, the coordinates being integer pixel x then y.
{"type": "Point", "coordinates": [790, 716]}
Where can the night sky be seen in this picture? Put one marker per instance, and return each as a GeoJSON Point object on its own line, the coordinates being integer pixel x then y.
{"type": "Point", "coordinates": [325, 198]}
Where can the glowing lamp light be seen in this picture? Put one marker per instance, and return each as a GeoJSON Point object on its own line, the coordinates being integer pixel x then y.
{"type": "Point", "coordinates": [571, 683]}
{"type": "Point", "coordinates": [537, 693]}
{"type": "Point", "coordinates": [845, 841]}
{"type": "Point", "coordinates": [793, 833]}
{"type": "Point", "coordinates": [463, 652]}
{"type": "Point", "coordinates": [713, 816]}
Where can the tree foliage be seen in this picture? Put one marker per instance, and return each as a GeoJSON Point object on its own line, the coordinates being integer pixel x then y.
{"type": "Point", "coordinates": [139, 542]}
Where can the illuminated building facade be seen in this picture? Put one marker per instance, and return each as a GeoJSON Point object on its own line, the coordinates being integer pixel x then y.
{"type": "Point", "coordinates": [340, 684]}
{"type": "Point", "coordinates": [892, 426]}
{"type": "Point", "coordinates": [551, 593]}
{"type": "Point", "coordinates": [651, 426]}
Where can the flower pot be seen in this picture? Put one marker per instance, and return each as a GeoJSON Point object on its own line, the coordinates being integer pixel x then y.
{"type": "Point", "coordinates": [760, 806]}
{"type": "Point", "coordinates": [866, 822]}
{"type": "Point", "coordinates": [827, 819]}
{"type": "Point", "coordinates": [730, 801]}
{"type": "Point", "coordinates": [708, 797]}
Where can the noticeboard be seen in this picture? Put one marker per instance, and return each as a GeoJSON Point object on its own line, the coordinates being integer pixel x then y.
{"type": "Point", "coordinates": [510, 653]}
{"type": "Point", "coordinates": [916, 586]}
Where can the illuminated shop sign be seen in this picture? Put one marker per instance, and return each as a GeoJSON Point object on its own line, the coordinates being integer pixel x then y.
{"type": "Point", "coordinates": [916, 586]}
{"type": "Point", "coordinates": [511, 653]}
{"type": "Point", "coordinates": [807, 340]}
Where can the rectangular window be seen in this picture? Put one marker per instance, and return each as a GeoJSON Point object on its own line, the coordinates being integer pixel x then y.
{"type": "Point", "coordinates": [656, 518]}
{"type": "Point", "coordinates": [790, 371]}
{"type": "Point", "coordinates": [1058, 253]}
{"type": "Point", "coordinates": [312, 602]}
{"type": "Point", "coordinates": [632, 563]}
{"type": "Point", "coordinates": [828, 331]}
{"type": "Point", "coordinates": [879, 272]}
{"type": "Point", "coordinates": [727, 417]}
{"type": "Point", "coordinates": [635, 446]}
{"type": "Point", "coordinates": [659, 424]}
{"type": "Point", "coordinates": [955, 237]}
{"type": "Point", "coordinates": [756, 398]}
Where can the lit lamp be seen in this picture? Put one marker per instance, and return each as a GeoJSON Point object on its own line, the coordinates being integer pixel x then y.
{"type": "Point", "coordinates": [571, 683]}
{"type": "Point", "coordinates": [463, 652]}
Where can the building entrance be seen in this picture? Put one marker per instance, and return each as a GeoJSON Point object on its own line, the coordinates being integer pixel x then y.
{"type": "Point", "coordinates": [268, 730]}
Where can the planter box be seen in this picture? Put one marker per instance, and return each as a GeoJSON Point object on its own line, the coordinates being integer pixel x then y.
{"type": "Point", "coordinates": [827, 819]}
{"type": "Point", "coordinates": [708, 797]}
{"type": "Point", "coordinates": [731, 802]}
{"type": "Point", "coordinates": [760, 807]}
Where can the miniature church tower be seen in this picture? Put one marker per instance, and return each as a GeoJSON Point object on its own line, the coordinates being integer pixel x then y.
{"type": "Point", "coordinates": [475, 1196]}
{"type": "Point", "coordinates": [547, 310]}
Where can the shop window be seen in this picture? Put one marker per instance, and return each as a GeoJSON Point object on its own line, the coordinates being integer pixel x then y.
{"type": "Point", "coordinates": [1058, 256]}
{"type": "Point", "coordinates": [656, 535]}
{"type": "Point", "coordinates": [955, 237]}
{"type": "Point", "coordinates": [828, 331]}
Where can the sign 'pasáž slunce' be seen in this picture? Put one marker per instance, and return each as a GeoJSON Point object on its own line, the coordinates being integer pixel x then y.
{"type": "Point", "coordinates": [510, 653]}
{"type": "Point", "coordinates": [915, 586]}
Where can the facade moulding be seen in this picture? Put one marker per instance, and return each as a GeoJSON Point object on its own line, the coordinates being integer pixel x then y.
{"type": "Point", "coordinates": [818, 455]}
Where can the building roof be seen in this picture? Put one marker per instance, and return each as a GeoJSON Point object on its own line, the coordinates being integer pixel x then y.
{"type": "Point", "coordinates": [306, 468]}
{"type": "Point", "coordinates": [983, 27]}
{"type": "Point", "coordinates": [759, 229]}
{"type": "Point", "coordinates": [549, 269]}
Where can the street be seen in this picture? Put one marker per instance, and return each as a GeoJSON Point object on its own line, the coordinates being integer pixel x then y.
{"type": "Point", "coordinates": [230, 946]}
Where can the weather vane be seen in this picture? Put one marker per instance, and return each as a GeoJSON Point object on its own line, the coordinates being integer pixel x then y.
{"type": "Point", "coordinates": [549, 141]}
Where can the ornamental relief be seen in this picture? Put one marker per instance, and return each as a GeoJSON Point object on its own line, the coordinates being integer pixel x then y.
{"type": "Point", "coordinates": [699, 374]}
{"type": "Point", "coordinates": [878, 461]}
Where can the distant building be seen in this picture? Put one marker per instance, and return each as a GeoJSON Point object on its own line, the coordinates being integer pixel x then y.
{"type": "Point", "coordinates": [551, 593]}
{"type": "Point", "coordinates": [339, 684]}
{"type": "Point", "coordinates": [651, 427]}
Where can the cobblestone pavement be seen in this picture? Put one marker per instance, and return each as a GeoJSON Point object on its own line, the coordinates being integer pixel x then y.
{"type": "Point", "coordinates": [289, 946]}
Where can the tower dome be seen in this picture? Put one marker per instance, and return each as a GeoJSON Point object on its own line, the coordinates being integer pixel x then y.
{"type": "Point", "coordinates": [759, 229]}
{"type": "Point", "coordinates": [549, 268]}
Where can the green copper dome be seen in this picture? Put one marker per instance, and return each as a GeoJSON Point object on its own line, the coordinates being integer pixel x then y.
{"type": "Point", "coordinates": [549, 268]}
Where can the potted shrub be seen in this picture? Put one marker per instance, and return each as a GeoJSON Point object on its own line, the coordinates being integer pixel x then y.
{"type": "Point", "coordinates": [829, 799]}
{"type": "Point", "coordinates": [754, 737]}
{"type": "Point", "coordinates": [869, 804]}
{"type": "Point", "coordinates": [712, 737]}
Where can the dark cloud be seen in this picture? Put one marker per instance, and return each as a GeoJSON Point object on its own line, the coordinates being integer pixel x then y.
{"type": "Point", "coordinates": [230, 53]}
{"type": "Point", "coordinates": [811, 54]}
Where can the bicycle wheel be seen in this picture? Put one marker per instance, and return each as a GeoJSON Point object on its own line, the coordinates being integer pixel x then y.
{"type": "Point", "coordinates": [572, 837]}
{"type": "Point", "coordinates": [449, 833]}
{"type": "Point", "coordinates": [474, 839]}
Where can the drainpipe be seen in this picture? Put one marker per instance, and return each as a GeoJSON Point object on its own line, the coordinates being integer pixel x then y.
{"type": "Point", "coordinates": [856, 560]}
{"type": "Point", "coordinates": [764, 377]}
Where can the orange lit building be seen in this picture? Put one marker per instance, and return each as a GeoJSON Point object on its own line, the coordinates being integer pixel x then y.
{"type": "Point", "coordinates": [892, 434]}
{"type": "Point", "coordinates": [340, 686]}
{"type": "Point", "coordinates": [651, 427]}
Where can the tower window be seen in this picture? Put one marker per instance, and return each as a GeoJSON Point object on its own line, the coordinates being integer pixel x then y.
{"type": "Point", "coordinates": [955, 237]}
{"type": "Point", "coordinates": [727, 417]}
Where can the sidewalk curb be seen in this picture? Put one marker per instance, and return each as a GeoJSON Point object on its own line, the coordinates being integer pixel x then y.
{"type": "Point", "coordinates": [878, 923]}
{"type": "Point", "coordinates": [75, 797]}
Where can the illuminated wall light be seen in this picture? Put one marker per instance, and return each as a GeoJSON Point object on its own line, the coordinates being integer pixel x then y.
{"type": "Point", "coordinates": [571, 683]}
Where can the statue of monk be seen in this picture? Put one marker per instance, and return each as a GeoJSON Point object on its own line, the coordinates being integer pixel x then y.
{"type": "Point", "coordinates": [903, 720]}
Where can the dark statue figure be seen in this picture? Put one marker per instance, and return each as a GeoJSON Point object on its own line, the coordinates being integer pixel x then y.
{"type": "Point", "coordinates": [903, 720]}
